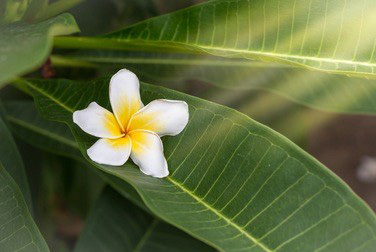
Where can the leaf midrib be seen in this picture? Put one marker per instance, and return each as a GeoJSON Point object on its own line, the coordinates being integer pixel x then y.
{"type": "Point", "coordinates": [219, 214]}
{"type": "Point", "coordinates": [184, 47]}
{"type": "Point", "coordinates": [58, 102]}
{"type": "Point", "coordinates": [260, 53]}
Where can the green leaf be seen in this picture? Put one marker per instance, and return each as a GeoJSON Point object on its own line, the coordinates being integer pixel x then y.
{"type": "Point", "coordinates": [29, 126]}
{"type": "Point", "coordinates": [11, 159]}
{"type": "Point", "coordinates": [115, 224]}
{"type": "Point", "coordinates": [18, 230]}
{"type": "Point", "coordinates": [24, 47]}
{"type": "Point", "coordinates": [111, 208]}
{"type": "Point", "coordinates": [234, 183]}
{"type": "Point", "coordinates": [322, 91]}
{"type": "Point", "coordinates": [332, 36]}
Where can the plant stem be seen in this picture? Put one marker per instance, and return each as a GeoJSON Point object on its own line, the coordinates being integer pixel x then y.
{"type": "Point", "coordinates": [111, 44]}
{"type": "Point", "coordinates": [60, 61]}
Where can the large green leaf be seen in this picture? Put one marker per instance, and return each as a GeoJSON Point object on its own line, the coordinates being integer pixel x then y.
{"type": "Point", "coordinates": [322, 91]}
{"type": "Point", "coordinates": [234, 183]}
{"type": "Point", "coordinates": [116, 225]}
{"type": "Point", "coordinates": [24, 47]}
{"type": "Point", "coordinates": [333, 36]}
{"type": "Point", "coordinates": [111, 208]}
{"type": "Point", "coordinates": [18, 230]}
{"type": "Point", "coordinates": [10, 158]}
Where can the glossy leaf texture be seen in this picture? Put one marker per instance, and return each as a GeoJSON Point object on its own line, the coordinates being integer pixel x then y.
{"type": "Point", "coordinates": [328, 92]}
{"type": "Point", "coordinates": [334, 36]}
{"type": "Point", "coordinates": [234, 183]}
{"type": "Point", "coordinates": [24, 47]}
{"type": "Point", "coordinates": [116, 225]}
{"type": "Point", "coordinates": [11, 160]}
{"type": "Point", "coordinates": [18, 230]}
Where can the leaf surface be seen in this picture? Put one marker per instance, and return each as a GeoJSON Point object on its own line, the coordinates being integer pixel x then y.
{"type": "Point", "coordinates": [334, 36]}
{"type": "Point", "coordinates": [234, 183]}
{"type": "Point", "coordinates": [116, 225]}
{"type": "Point", "coordinates": [24, 47]}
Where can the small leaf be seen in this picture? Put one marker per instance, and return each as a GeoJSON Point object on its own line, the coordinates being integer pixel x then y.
{"type": "Point", "coordinates": [234, 183]}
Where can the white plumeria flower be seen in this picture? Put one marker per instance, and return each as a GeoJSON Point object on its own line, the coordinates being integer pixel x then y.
{"type": "Point", "coordinates": [132, 130]}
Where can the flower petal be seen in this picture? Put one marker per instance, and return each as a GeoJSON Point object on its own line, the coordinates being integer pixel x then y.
{"type": "Point", "coordinates": [164, 117]}
{"type": "Point", "coordinates": [147, 153]}
{"type": "Point", "coordinates": [125, 96]}
{"type": "Point", "coordinates": [97, 121]}
{"type": "Point", "coordinates": [111, 151]}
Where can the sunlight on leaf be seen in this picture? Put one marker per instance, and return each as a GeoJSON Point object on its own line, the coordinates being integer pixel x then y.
{"type": "Point", "coordinates": [334, 36]}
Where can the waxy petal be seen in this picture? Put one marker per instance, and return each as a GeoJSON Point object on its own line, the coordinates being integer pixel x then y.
{"type": "Point", "coordinates": [111, 151]}
{"type": "Point", "coordinates": [147, 153]}
{"type": "Point", "coordinates": [97, 121]}
{"type": "Point", "coordinates": [164, 117]}
{"type": "Point", "coordinates": [125, 96]}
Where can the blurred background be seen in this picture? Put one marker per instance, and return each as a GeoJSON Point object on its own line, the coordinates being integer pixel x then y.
{"type": "Point", "coordinates": [344, 143]}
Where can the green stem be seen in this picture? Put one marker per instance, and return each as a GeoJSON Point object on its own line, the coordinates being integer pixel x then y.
{"type": "Point", "coordinates": [111, 44]}
{"type": "Point", "coordinates": [60, 61]}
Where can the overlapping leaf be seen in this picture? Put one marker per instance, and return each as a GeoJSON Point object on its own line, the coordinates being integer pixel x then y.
{"type": "Point", "coordinates": [322, 91]}
{"type": "Point", "coordinates": [234, 183]}
{"type": "Point", "coordinates": [116, 225]}
{"type": "Point", "coordinates": [24, 47]}
{"type": "Point", "coordinates": [333, 36]}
